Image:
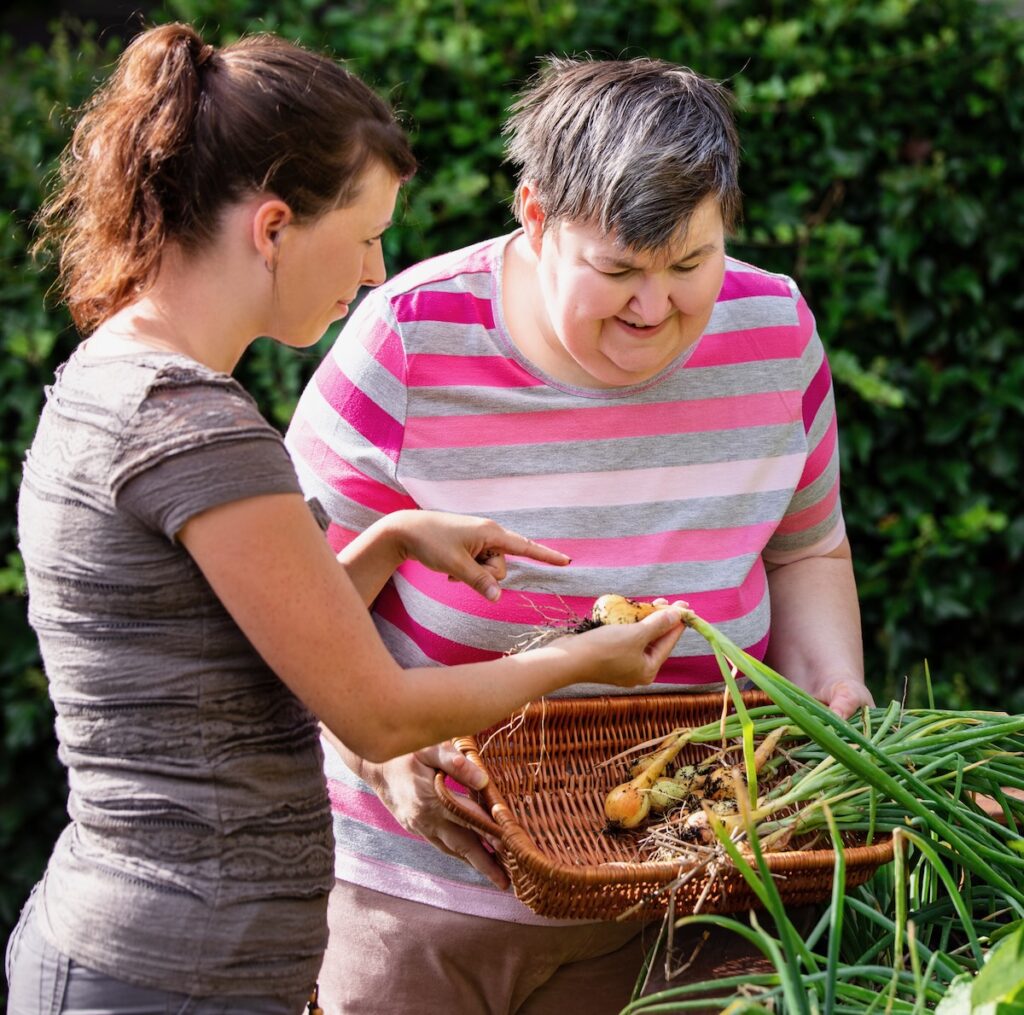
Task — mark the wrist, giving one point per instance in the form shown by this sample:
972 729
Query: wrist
393 535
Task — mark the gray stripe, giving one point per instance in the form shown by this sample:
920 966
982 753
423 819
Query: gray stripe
614 454
752 312
417 854
451 339
808 537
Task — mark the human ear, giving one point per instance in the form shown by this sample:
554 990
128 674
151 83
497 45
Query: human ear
268 223
531 216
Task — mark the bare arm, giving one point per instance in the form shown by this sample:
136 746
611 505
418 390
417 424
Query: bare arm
816 634
272 569
470 550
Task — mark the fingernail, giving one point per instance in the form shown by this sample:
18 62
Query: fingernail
493 593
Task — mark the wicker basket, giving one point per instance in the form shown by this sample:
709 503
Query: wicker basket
546 797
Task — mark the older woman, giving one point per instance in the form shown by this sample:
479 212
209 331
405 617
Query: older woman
608 379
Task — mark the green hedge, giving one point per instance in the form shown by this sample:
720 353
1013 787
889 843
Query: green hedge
882 168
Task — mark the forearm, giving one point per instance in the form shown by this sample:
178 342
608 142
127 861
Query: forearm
374 555
816 633
429 705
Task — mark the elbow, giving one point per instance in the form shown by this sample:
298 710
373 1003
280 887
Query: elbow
375 720
377 751
374 738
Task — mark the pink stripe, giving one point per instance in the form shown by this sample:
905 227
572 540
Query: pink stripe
533 608
448 308
752 345
619 421
390 607
820 458
338 538
388 351
340 475
626 486
806 328
669 547
443 893
811 516
743 284
682 672
433 370
365 808
358 409
817 391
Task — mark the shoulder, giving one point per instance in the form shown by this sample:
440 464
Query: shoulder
752 299
745 280
180 392
179 405
478 258
446 287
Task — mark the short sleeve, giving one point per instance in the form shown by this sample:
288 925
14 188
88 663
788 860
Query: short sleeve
813 523
196 441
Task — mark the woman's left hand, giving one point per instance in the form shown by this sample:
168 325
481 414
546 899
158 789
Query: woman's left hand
467 549
844 696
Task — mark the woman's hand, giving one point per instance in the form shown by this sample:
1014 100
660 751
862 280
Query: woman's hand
406 787
844 696
627 655
467 549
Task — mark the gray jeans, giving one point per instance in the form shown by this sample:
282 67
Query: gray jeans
43 981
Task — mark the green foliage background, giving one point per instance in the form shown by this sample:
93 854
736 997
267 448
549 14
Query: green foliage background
882 169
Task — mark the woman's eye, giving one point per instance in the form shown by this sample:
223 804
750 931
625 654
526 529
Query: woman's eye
684 269
616 274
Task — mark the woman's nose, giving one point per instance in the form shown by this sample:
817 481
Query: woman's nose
374 271
651 302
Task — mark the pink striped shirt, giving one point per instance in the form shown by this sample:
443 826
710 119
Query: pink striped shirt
680 487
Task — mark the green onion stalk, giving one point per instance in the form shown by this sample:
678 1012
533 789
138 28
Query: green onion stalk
913 933
912 769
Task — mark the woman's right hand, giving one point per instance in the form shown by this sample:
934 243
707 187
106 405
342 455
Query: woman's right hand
405 786
626 655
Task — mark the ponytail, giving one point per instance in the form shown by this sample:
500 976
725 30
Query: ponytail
179 131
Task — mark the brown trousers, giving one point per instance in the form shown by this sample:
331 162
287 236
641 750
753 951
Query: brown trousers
388 956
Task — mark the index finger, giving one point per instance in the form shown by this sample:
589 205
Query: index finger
519 546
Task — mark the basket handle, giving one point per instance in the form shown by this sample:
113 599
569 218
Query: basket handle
453 802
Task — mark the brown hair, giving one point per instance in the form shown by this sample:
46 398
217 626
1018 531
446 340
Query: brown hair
180 131
631 145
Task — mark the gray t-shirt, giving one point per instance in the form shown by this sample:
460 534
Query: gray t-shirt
199 853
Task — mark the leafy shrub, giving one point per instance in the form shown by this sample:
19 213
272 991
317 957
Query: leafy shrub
882 169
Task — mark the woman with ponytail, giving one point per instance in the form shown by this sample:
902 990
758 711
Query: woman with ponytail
192 619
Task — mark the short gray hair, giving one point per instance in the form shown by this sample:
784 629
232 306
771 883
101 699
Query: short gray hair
631 145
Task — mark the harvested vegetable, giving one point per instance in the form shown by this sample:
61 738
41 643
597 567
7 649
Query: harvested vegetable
716 780
615 609
627 805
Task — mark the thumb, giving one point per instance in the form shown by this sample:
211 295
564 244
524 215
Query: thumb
661 622
846 698
479 579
